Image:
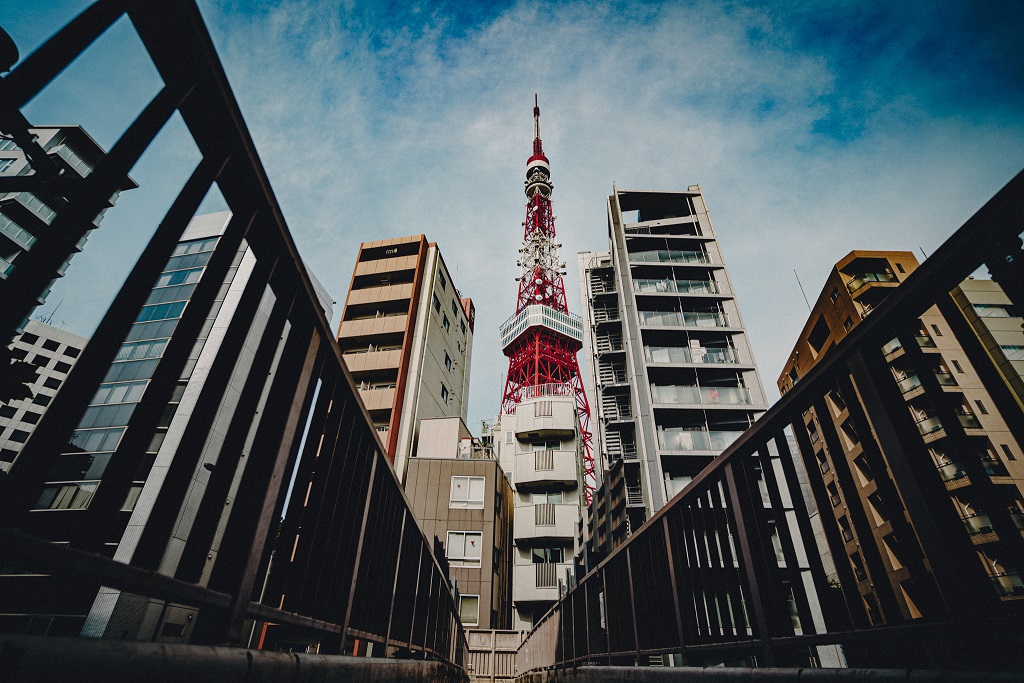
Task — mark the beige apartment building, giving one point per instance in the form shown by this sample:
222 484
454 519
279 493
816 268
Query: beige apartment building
459 494
407 335
918 477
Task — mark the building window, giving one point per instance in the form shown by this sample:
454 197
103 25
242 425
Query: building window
50 345
437 303
8 411
553 497
848 324
899 267
455 308
51 383
835 295
30 417
444 394
1007 452
76 496
62 367
935 328
447 361
72 352
956 365
1013 352
981 407
440 278
446 324
42 400
462 323
548 555
469 610
8 145
5 164
467 493
18 436
463 548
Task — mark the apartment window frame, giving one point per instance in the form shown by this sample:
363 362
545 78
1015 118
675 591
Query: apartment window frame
457 548
445 394
441 280
464 601
835 294
445 323
461 493
436 302
447 361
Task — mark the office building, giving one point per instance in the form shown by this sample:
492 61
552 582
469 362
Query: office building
25 216
459 495
151 471
53 351
407 337
917 475
671 372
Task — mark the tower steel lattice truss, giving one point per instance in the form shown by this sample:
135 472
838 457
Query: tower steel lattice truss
542 338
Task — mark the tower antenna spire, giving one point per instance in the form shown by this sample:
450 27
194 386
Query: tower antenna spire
542 338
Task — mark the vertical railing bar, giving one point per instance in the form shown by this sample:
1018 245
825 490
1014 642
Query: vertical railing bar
359 551
670 553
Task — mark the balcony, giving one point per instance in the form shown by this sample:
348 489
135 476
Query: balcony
634 496
993 466
550 417
683 319
928 425
924 340
908 384
968 420
545 521
977 524
669 256
545 468
893 347
697 355
677 439
951 472
945 379
368 327
859 281
701 395
1009 585
670 286
373 360
538 582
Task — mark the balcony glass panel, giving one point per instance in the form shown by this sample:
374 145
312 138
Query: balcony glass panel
866 278
928 425
645 285
909 383
1008 584
945 379
968 421
952 471
977 524
994 466
684 319
678 439
893 346
704 395
669 256
680 354
924 340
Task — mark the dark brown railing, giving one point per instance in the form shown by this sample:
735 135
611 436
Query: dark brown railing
361 571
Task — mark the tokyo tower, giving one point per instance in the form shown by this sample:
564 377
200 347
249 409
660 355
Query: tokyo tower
542 338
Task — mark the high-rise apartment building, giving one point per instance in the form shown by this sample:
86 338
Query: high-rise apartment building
152 470
671 372
53 351
917 474
25 216
407 338
999 326
460 495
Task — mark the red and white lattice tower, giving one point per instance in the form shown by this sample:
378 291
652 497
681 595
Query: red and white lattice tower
542 338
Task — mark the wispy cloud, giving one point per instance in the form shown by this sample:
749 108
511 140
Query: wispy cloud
813 128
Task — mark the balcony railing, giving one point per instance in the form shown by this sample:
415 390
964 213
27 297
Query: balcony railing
924 340
672 439
634 495
682 354
909 383
951 471
668 285
968 421
859 281
669 256
683 319
892 346
1008 584
945 379
977 524
928 425
994 467
701 395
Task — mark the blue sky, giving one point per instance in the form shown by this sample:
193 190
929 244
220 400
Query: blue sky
813 128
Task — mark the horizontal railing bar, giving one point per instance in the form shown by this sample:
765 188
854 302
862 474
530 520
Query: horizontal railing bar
270 614
18 547
694 674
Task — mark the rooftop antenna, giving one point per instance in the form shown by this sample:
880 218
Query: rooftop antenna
922 251
49 318
801 285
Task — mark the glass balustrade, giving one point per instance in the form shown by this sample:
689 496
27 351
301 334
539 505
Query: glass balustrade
1008 584
647 286
702 395
977 524
945 379
909 383
924 340
867 278
951 471
680 354
684 319
678 439
994 466
968 421
927 425
668 256
1018 519
893 346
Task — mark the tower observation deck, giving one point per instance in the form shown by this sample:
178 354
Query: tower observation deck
542 337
